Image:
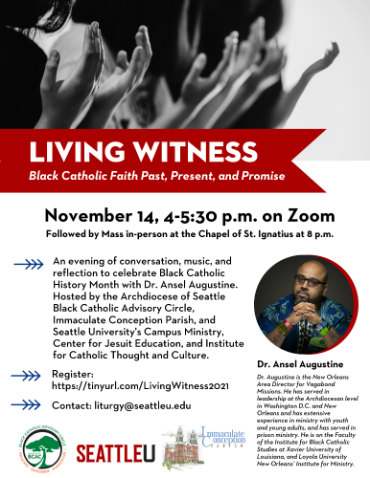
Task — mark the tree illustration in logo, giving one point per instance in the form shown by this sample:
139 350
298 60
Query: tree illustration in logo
46 444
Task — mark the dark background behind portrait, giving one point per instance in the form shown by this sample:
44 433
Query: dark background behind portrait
278 283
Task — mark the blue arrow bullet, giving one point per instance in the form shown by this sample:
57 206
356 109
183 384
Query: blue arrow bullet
30 376
32 263
25 404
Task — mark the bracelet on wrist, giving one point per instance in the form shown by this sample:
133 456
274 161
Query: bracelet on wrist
288 324
321 325
325 330
283 329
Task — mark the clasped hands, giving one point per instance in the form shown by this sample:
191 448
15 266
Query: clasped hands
304 310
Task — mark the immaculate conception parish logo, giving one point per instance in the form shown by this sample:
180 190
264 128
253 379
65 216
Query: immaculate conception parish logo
181 453
42 448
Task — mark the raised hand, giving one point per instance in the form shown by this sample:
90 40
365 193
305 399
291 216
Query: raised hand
142 39
247 88
249 50
229 100
272 64
196 91
195 88
324 63
285 105
62 101
127 76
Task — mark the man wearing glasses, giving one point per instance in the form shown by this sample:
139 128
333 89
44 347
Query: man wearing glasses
306 321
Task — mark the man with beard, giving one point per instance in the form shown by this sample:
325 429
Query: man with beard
306 321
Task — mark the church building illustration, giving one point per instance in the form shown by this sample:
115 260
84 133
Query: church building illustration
183 451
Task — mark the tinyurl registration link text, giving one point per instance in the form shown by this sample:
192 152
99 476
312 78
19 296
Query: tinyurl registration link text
141 386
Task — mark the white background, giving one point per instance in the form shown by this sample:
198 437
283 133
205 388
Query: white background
338 100
26 311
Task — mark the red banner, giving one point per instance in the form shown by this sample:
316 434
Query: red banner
158 161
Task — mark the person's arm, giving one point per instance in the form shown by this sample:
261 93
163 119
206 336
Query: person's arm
263 76
285 105
126 77
332 337
62 101
328 334
196 89
173 117
278 335
206 114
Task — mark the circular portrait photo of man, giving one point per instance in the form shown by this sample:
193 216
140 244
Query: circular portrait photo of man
306 304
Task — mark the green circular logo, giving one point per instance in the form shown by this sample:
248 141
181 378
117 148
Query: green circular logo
42 448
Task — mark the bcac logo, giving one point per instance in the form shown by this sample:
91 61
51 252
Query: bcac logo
42 448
